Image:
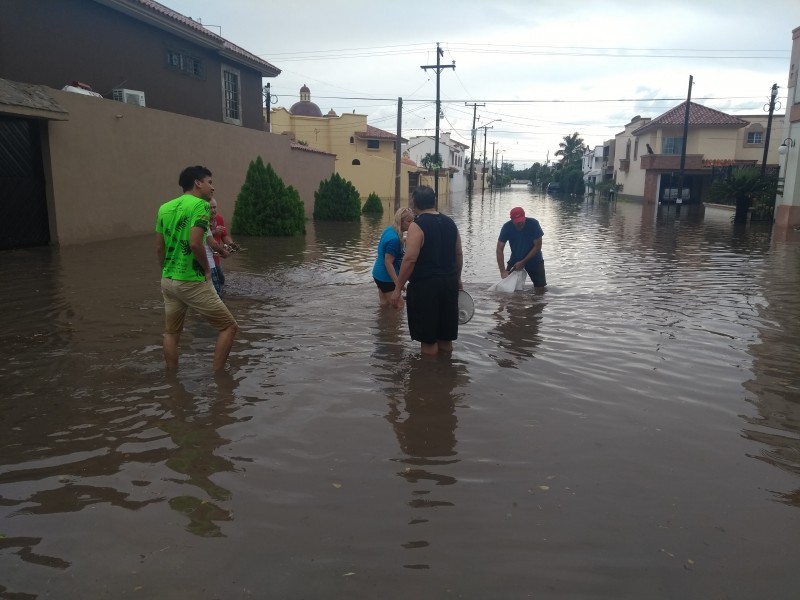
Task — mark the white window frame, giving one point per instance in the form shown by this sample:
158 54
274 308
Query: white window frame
226 113
676 143
754 134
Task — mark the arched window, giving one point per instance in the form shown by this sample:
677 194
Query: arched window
356 161
352 140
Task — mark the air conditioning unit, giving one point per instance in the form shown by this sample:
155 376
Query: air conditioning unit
128 96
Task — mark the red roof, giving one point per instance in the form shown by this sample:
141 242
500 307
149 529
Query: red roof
699 116
163 13
374 133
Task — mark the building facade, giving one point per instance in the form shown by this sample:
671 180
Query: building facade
648 151
365 155
454 158
787 209
147 52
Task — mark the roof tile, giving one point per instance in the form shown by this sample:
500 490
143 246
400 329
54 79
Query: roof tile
198 28
699 116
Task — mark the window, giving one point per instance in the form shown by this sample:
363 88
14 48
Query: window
636 149
352 140
628 150
231 96
174 59
373 144
183 62
754 137
671 145
356 162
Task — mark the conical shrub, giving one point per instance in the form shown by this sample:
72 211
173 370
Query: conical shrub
337 200
373 205
265 206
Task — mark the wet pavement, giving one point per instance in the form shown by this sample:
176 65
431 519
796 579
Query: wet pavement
631 432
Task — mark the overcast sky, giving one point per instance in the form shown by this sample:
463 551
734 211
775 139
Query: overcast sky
544 68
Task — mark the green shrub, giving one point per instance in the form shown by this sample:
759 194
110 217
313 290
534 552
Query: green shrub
373 205
337 200
265 206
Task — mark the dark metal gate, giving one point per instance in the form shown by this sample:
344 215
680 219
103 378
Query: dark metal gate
23 204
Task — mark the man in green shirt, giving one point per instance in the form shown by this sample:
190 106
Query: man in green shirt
181 228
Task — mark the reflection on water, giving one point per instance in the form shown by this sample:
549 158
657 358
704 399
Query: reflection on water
425 427
632 431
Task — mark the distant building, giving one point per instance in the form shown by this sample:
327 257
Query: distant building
453 157
715 140
365 155
592 167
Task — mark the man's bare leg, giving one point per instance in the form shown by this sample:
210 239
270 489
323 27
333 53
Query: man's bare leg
445 346
223 346
429 349
171 341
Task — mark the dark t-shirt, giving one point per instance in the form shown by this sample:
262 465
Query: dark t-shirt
437 257
522 241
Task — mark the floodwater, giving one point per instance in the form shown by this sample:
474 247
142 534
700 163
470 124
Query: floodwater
632 432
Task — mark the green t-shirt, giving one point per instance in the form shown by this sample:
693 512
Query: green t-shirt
175 221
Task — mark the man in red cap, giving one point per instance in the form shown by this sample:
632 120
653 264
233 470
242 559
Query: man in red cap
525 236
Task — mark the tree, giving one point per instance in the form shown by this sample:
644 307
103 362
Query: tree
265 206
745 187
337 200
571 150
432 162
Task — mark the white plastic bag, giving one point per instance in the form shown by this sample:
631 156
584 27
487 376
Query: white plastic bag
514 282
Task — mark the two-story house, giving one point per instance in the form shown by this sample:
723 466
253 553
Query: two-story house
649 151
150 54
82 165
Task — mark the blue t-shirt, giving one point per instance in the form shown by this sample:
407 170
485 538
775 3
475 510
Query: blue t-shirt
389 244
522 241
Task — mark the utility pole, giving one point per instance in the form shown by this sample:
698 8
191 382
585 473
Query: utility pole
472 150
771 108
438 66
269 100
493 164
398 154
483 171
679 198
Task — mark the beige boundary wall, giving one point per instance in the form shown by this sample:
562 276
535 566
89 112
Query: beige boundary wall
110 166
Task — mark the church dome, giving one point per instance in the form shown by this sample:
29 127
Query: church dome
305 108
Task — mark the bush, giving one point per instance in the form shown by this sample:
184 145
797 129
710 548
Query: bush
373 205
265 206
337 200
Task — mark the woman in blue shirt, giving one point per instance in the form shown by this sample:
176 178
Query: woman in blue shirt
391 248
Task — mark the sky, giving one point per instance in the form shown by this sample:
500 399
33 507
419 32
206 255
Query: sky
538 69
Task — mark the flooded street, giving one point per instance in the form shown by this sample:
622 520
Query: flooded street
631 432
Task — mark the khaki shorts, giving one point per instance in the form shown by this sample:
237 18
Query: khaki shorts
179 296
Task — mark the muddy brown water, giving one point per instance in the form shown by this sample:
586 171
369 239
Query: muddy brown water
632 432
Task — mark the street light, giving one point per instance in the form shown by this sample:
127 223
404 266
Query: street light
784 147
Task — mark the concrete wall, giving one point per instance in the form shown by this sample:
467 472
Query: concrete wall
110 166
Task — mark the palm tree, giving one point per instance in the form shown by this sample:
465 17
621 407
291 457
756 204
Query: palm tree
432 162
744 186
571 149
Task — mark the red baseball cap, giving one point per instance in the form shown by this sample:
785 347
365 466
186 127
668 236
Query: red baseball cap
517 215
